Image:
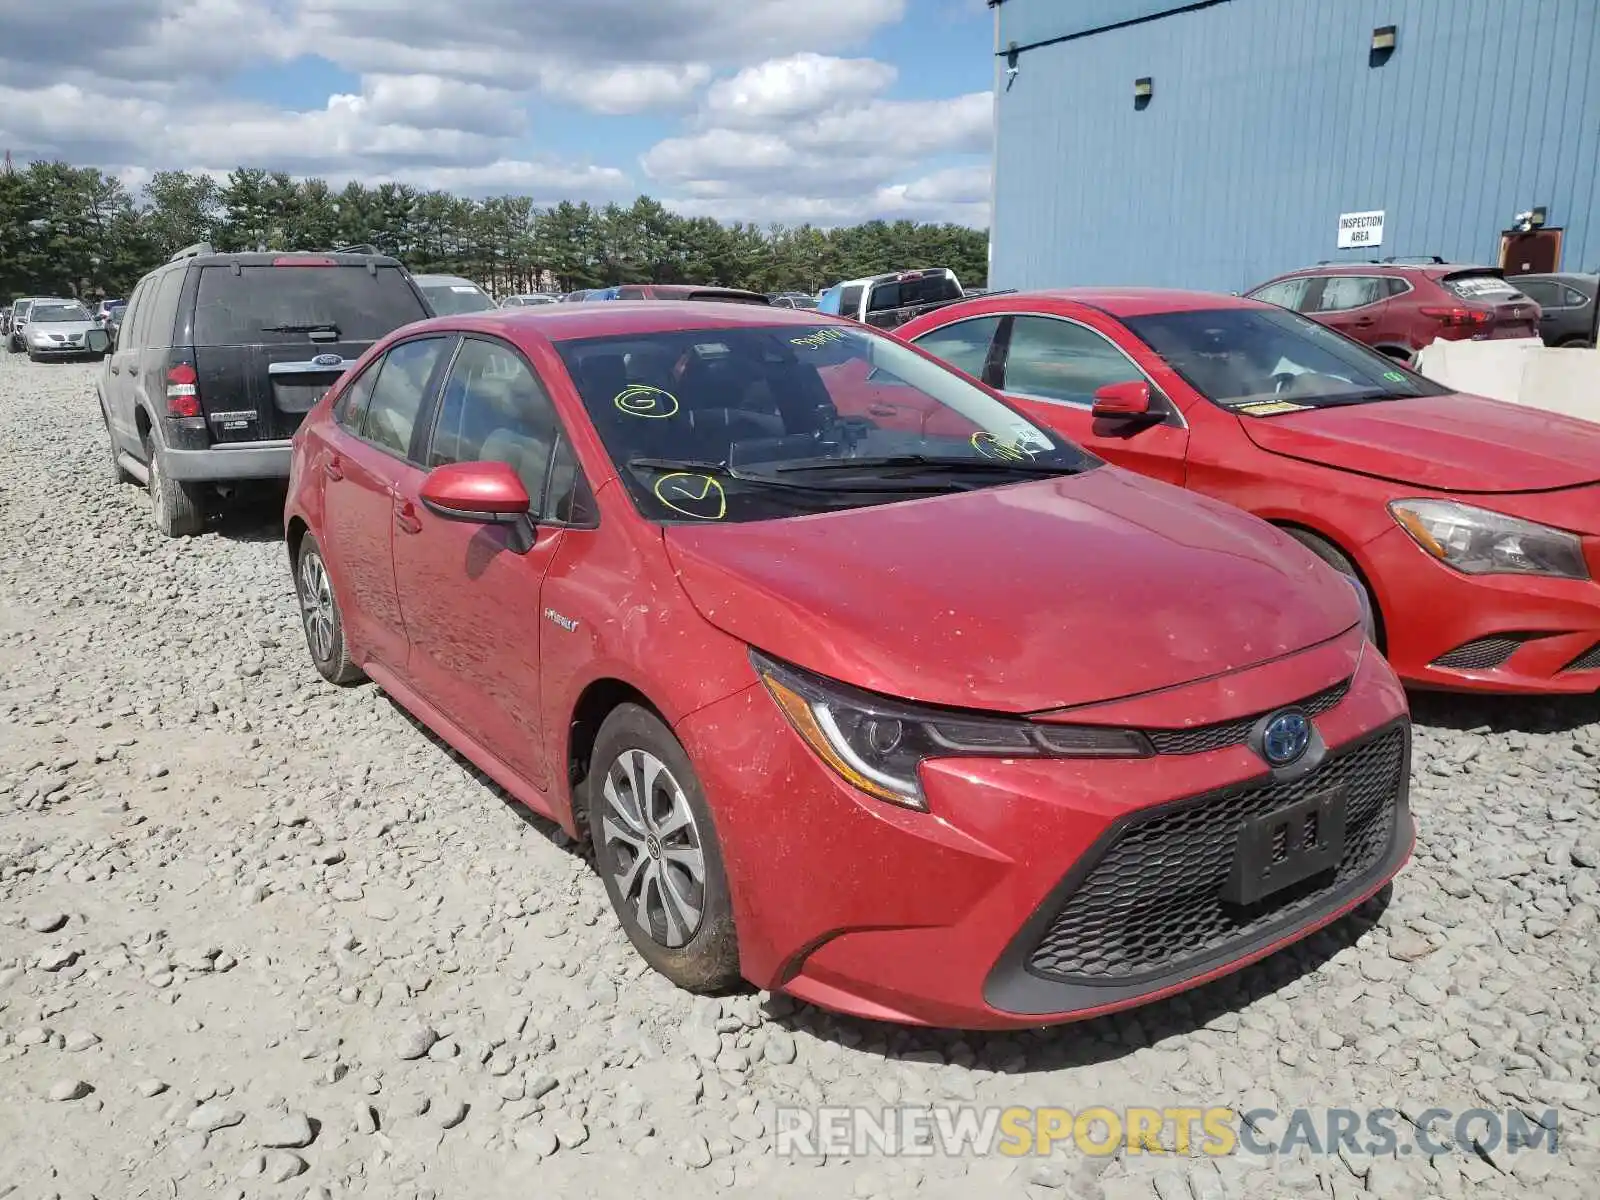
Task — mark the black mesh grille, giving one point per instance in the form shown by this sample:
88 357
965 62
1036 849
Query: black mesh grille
1204 738
1482 654
1151 901
1589 660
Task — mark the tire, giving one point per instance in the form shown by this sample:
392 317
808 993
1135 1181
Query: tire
32 357
1578 344
1340 562
632 748
321 618
177 508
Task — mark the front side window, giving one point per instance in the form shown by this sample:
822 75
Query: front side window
964 344
494 410
1060 360
1266 361
757 422
850 301
1286 293
1341 292
397 395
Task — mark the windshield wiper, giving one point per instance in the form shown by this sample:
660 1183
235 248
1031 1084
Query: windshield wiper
322 327
696 466
933 461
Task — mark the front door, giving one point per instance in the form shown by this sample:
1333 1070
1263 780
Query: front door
365 465
468 595
1051 367
1537 252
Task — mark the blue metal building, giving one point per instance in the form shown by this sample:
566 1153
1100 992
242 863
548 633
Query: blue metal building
1218 143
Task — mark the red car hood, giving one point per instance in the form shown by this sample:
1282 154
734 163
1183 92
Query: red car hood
1023 598
1454 443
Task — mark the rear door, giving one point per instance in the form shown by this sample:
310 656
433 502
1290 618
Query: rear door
1051 366
270 339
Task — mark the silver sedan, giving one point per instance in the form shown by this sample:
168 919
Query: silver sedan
63 329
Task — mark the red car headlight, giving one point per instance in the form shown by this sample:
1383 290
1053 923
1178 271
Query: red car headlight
877 744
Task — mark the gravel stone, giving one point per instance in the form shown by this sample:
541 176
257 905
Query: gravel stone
68 1089
228 871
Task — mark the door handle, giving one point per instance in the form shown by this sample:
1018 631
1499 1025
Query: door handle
1366 321
882 410
116 370
405 516
332 467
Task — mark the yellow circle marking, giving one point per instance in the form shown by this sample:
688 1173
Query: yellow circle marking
642 400
993 446
682 487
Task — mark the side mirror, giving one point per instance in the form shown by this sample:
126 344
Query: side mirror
98 341
1123 401
487 493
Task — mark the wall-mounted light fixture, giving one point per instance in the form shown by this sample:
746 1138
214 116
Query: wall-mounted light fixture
1143 90
1012 54
1384 40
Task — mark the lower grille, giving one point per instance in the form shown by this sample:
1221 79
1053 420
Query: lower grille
1589 660
1151 902
1483 654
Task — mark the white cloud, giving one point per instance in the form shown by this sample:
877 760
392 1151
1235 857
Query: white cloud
617 91
783 89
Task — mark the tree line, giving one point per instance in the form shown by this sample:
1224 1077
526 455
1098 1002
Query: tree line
77 231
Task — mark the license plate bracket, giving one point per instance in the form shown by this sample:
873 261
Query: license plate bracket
1287 846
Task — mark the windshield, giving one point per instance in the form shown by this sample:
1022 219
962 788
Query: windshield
1262 362
453 299
756 422
44 314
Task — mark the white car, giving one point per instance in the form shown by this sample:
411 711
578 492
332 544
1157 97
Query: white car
451 295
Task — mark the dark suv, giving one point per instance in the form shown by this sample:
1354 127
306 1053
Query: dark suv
1398 308
220 356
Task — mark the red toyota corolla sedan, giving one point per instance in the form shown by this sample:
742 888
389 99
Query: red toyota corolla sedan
1474 525
942 722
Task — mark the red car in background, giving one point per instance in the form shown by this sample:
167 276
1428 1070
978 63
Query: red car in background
950 724
1474 525
1398 308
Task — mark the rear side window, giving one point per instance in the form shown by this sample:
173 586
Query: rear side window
1491 288
397 396
266 305
164 310
351 409
632 293
927 289
850 301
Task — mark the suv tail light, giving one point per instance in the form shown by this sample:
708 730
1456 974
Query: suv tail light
1458 317
183 391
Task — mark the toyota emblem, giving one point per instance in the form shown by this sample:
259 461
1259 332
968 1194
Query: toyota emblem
1285 737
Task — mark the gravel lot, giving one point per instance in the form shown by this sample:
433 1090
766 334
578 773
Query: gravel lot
263 937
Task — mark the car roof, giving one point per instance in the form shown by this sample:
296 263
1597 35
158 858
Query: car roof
1380 268
268 258
1116 301
456 280
623 318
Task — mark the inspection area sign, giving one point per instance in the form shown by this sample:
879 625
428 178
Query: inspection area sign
1360 229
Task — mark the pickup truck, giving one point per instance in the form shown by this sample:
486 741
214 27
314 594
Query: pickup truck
889 301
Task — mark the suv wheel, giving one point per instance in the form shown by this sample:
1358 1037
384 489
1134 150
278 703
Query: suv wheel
657 852
319 613
176 506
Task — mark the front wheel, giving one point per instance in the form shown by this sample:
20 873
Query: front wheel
319 613
657 852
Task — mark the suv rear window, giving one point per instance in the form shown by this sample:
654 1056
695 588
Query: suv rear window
929 289
256 306
1480 287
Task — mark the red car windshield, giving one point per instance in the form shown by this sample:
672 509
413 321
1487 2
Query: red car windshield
1263 362
756 422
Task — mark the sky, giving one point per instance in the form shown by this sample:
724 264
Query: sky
829 111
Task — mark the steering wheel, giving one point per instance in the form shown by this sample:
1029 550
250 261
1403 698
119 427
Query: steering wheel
1283 381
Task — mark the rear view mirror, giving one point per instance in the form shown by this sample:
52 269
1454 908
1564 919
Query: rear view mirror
1123 401
98 341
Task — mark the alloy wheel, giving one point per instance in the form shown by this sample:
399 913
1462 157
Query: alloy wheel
316 605
652 848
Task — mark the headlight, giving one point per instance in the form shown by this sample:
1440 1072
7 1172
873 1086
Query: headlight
877 744
1476 541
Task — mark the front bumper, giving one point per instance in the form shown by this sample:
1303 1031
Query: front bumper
245 460
1492 633
954 917
60 350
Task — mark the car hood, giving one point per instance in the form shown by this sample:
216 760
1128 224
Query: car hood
1022 598
1454 443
